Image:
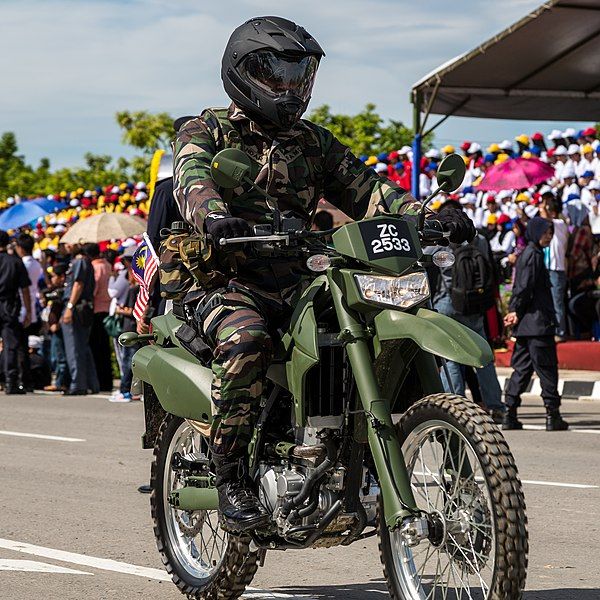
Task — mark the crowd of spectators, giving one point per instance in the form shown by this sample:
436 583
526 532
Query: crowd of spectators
82 296
570 198
57 341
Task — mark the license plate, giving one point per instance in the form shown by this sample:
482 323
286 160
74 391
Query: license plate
384 239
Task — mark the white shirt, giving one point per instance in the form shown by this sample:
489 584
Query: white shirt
35 271
594 217
507 244
558 246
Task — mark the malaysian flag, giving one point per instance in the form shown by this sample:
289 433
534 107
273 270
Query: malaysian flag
144 265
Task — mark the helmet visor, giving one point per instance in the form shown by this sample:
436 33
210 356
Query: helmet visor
278 75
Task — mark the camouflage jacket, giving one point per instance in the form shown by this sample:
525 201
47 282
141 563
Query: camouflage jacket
298 167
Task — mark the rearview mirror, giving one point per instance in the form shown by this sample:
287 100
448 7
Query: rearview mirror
451 172
230 168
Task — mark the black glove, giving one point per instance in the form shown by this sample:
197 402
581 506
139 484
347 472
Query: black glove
225 226
459 225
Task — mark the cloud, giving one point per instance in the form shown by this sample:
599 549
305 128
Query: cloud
69 65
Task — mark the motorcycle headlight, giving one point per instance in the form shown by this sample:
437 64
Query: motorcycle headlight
401 292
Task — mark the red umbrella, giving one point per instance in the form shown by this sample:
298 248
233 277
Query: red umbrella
516 174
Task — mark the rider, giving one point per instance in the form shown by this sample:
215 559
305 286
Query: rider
268 70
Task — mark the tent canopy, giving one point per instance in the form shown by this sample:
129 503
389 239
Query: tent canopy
544 67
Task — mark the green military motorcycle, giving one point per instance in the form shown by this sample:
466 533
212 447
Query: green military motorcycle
355 437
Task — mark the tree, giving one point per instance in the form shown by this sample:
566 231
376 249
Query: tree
145 130
365 132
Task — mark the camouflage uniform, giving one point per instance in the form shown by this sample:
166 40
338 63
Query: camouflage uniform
298 167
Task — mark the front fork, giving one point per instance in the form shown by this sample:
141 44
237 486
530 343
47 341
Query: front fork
398 499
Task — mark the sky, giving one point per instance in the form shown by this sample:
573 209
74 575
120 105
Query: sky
68 65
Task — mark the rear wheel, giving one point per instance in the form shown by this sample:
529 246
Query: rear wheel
464 477
204 561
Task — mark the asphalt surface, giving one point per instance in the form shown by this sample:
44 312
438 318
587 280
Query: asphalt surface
81 497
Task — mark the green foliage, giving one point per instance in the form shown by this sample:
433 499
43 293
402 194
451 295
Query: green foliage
145 130
365 132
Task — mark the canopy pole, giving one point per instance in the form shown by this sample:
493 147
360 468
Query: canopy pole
416 145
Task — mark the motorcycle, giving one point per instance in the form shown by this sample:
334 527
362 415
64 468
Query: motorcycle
355 437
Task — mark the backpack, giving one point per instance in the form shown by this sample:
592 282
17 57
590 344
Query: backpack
472 281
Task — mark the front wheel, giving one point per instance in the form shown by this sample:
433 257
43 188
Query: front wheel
464 478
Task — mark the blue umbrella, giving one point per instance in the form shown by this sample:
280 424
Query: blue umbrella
49 205
25 212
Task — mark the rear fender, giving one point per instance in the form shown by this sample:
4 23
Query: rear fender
435 333
180 382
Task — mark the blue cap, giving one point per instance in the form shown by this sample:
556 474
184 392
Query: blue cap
572 197
469 190
489 158
431 166
399 165
588 174
580 134
382 156
363 158
535 150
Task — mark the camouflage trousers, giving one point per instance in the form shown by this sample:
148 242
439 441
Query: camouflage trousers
236 326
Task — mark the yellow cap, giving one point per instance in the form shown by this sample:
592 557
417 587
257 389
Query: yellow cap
523 197
122 186
492 219
587 148
73 195
494 148
372 160
522 139
501 158
63 194
449 149
80 190
526 154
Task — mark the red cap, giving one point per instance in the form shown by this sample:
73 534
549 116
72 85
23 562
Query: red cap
550 152
590 131
503 219
537 136
393 156
465 145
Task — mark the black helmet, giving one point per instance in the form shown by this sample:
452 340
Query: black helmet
269 68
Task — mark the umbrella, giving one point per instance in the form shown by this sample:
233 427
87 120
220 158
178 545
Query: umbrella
49 205
516 174
21 214
102 227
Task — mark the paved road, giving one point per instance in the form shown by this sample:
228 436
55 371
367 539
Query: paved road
80 497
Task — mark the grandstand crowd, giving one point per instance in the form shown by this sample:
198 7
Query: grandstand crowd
569 197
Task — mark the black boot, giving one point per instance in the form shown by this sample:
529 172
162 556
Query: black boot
554 421
14 388
510 420
239 507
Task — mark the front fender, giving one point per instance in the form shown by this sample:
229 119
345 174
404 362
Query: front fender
435 333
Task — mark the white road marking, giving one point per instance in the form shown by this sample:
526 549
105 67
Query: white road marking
104 564
39 436
581 486
572 429
31 566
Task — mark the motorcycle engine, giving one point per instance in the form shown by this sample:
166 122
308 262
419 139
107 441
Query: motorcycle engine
280 481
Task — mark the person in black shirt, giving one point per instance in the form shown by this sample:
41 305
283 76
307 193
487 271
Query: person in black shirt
531 314
77 319
13 279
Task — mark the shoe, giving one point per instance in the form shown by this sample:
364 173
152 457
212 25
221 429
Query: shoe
75 393
145 489
239 508
510 421
497 416
14 390
554 421
119 397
